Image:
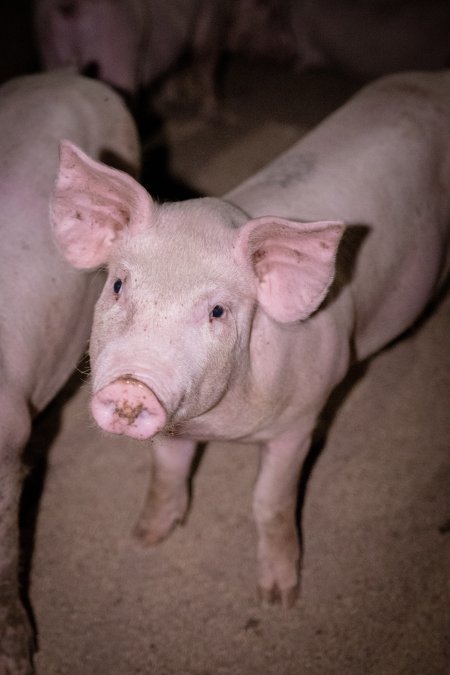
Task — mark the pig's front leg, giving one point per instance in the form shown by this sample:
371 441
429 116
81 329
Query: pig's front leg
15 631
167 499
274 509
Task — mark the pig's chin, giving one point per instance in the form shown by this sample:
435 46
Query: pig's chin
192 411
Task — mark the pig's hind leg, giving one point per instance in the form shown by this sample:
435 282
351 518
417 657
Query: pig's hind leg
15 631
168 496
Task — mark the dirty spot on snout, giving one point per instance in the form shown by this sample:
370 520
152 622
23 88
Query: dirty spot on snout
129 412
259 255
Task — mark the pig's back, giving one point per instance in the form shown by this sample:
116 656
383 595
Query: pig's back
381 163
36 112
338 169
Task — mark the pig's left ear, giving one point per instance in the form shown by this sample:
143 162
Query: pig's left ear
92 206
293 263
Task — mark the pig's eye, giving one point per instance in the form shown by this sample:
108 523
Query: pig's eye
216 312
117 287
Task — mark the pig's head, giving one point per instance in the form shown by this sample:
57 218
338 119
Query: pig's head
172 327
100 38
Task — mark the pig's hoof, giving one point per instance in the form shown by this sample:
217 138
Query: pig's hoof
286 597
150 534
153 528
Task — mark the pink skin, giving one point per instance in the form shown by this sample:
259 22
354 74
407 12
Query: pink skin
48 313
127 406
218 321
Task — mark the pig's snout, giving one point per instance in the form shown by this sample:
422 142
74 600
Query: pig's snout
127 406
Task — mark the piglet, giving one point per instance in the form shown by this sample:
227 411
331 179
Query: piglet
47 306
235 318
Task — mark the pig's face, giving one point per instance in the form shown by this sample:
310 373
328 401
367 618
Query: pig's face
172 328
100 38
174 315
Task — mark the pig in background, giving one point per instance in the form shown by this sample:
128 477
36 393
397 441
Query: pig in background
369 38
161 55
136 44
363 38
46 309
235 319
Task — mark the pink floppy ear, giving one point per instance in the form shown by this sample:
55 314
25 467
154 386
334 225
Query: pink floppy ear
92 206
293 263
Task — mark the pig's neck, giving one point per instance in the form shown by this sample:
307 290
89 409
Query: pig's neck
286 368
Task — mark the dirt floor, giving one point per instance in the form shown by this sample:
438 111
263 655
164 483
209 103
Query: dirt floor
375 592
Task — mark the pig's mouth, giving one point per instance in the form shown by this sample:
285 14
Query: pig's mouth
128 406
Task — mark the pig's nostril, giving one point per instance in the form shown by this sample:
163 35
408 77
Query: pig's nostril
127 406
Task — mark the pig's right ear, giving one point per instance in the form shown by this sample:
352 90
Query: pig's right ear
92 206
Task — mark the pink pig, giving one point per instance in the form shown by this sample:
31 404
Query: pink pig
235 319
130 44
47 306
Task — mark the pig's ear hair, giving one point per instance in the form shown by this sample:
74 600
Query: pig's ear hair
293 263
93 205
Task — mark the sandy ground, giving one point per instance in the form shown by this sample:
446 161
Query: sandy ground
375 593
